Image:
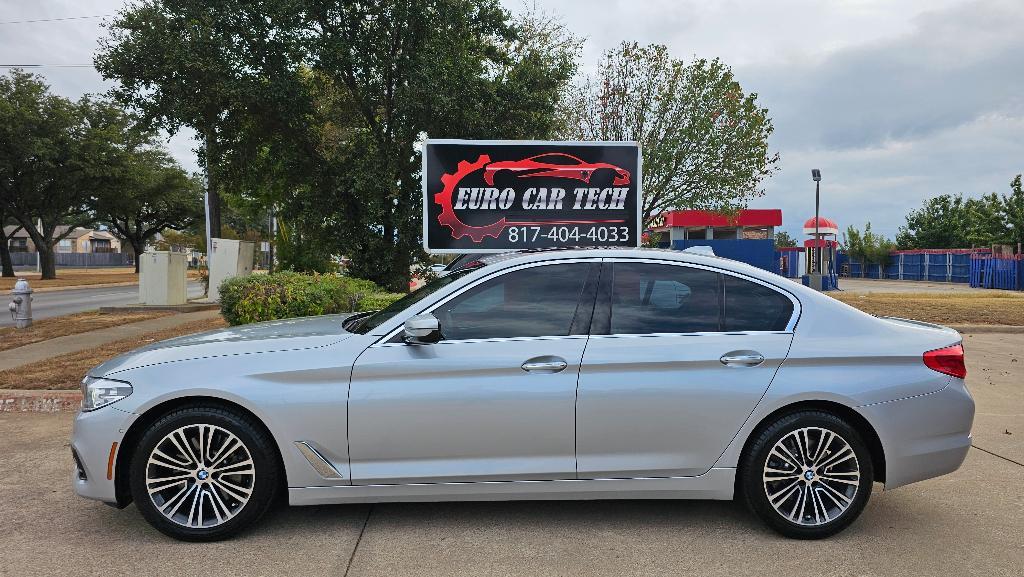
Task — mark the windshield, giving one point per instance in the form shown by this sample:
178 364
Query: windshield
364 324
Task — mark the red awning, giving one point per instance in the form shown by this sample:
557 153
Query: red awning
746 217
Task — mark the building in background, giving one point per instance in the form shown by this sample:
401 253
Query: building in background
78 241
747 236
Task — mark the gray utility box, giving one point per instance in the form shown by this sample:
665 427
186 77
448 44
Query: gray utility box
227 259
162 278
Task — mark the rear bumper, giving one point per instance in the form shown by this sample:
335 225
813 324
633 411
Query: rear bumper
924 436
95 432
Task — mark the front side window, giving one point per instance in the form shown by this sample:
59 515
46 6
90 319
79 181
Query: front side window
753 307
658 298
362 324
530 302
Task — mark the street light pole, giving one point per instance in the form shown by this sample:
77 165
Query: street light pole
816 176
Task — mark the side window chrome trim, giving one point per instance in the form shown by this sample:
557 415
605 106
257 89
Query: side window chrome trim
383 341
493 340
790 326
694 334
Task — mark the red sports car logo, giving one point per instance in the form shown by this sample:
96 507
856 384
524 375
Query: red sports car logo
556 164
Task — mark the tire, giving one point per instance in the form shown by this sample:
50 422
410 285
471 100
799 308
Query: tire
237 483
775 482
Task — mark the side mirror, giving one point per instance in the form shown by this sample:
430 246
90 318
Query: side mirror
422 330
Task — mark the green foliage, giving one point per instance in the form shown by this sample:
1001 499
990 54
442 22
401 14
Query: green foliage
953 221
45 166
868 247
378 301
317 108
265 297
782 239
704 141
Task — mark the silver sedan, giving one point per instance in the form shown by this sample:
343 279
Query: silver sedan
577 374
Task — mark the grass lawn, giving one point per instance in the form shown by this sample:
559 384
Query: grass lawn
46 329
66 371
952 308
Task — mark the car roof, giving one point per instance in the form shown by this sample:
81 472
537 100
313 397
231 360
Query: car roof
518 257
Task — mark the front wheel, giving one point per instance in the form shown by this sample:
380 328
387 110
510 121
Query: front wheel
204 473
808 475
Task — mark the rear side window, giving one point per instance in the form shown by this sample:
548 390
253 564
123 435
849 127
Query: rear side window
656 298
753 307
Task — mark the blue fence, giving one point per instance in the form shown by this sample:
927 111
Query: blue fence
923 266
788 263
988 271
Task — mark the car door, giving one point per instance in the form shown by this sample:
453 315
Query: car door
678 357
494 400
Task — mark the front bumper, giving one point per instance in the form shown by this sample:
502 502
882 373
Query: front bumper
924 436
95 432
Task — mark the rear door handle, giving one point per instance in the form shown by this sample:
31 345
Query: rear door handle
546 364
742 359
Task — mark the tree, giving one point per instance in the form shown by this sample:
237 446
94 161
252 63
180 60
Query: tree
153 193
782 239
953 221
704 141
44 178
1013 211
867 247
317 107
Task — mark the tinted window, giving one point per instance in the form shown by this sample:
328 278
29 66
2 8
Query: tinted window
364 324
753 307
658 298
532 302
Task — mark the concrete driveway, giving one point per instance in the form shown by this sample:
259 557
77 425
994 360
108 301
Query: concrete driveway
967 523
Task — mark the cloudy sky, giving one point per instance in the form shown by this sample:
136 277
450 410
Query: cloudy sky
895 101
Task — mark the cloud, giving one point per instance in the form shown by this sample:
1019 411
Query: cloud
895 101
954 67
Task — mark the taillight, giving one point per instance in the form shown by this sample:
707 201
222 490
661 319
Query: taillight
948 361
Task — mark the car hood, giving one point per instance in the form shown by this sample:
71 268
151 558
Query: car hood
283 335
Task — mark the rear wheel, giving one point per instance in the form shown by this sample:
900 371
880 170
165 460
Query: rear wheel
204 473
808 475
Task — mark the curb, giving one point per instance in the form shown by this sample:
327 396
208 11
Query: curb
976 329
140 308
39 401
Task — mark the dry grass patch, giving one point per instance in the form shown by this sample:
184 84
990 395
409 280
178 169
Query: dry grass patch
74 277
66 371
952 308
46 329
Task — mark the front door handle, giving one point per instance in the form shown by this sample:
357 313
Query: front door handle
545 364
742 359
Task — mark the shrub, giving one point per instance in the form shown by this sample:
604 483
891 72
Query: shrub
378 301
265 297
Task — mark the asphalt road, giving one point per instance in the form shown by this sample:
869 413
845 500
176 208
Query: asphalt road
64 302
966 523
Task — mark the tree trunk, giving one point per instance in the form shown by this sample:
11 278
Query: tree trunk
5 258
47 262
137 246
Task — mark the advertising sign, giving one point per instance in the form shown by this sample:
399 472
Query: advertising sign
496 196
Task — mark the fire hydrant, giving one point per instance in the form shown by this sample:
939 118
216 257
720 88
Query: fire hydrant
21 304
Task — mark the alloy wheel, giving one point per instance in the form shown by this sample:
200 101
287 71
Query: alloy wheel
811 476
200 476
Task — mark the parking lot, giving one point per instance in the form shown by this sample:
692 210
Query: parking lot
967 523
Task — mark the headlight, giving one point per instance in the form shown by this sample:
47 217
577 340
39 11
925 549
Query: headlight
99 392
